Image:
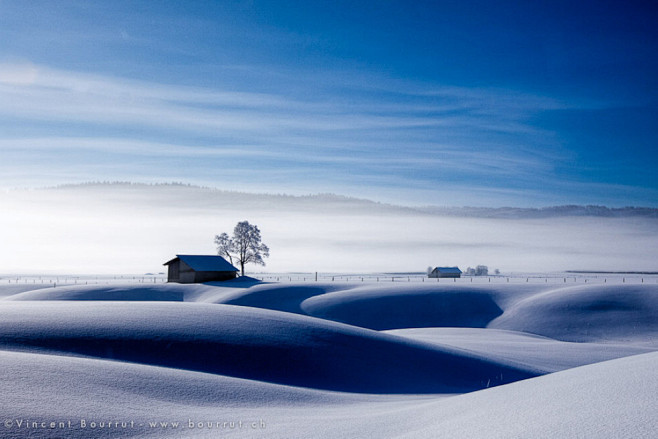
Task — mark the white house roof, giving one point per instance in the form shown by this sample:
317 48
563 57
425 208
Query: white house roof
205 262
453 270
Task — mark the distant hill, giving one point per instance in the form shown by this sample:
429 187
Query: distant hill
546 212
179 195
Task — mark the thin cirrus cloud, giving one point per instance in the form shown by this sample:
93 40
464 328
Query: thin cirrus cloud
373 132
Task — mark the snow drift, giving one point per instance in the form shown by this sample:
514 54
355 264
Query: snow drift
613 399
394 307
588 313
249 343
298 360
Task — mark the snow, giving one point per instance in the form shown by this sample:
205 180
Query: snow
299 360
609 313
126 292
392 307
249 343
534 351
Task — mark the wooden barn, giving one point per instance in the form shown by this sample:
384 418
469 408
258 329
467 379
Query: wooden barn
191 269
446 272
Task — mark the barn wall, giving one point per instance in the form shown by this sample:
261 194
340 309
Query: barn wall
444 275
173 274
182 273
209 276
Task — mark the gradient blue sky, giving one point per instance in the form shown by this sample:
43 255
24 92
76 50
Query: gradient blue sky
523 103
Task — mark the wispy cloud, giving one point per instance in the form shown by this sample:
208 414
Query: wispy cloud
358 133
39 92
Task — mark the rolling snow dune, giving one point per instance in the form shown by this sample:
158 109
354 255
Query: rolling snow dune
210 356
249 343
613 399
13 290
394 307
382 306
610 400
607 313
39 387
170 292
534 351
278 297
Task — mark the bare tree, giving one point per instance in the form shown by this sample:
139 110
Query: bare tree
244 246
224 246
482 270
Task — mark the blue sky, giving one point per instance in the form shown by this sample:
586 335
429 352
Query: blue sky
450 103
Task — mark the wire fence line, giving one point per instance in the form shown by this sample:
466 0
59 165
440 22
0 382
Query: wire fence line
54 281
479 280
516 278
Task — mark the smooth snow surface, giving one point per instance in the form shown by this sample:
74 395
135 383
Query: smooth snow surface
267 360
392 307
531 350
249 343
617 313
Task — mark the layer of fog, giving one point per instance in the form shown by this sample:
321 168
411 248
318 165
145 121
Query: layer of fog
110 228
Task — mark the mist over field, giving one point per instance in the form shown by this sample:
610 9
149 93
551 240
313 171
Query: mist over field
134 228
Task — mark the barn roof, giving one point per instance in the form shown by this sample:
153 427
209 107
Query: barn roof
454 270
205 262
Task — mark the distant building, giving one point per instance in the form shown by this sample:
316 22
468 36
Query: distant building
445 272
190 269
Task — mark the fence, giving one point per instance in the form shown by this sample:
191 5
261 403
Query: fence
517 278
53 281
479 280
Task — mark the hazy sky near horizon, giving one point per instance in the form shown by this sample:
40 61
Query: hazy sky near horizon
426 102
136 228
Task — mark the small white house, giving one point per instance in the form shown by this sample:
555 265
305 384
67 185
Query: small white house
446 272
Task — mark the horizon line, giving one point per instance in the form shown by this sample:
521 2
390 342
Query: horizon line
346 197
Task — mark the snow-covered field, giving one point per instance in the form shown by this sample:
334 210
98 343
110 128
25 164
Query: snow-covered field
247 358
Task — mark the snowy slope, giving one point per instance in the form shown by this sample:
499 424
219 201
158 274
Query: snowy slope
614 399
249 343
128 292
277 357
534 351
608 313
378 307
279 297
